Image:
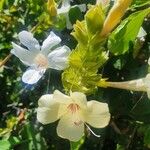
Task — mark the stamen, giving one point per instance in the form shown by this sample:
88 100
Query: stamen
73 108
41 61
92 131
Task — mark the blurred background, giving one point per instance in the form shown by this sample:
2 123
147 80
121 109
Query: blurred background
129 127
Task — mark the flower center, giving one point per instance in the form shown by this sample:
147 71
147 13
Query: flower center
73 108
41 61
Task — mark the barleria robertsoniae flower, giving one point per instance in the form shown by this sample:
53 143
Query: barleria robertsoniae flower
142 84
73 112
65 8
39 58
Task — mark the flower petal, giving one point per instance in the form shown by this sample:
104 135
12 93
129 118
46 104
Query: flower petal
46 101
27 39
65 7
146 80
148 93
51 41
70 127
24 55
97 114
82 7
59 57
141 33
61 98
47 111
68 23
32 75
79 98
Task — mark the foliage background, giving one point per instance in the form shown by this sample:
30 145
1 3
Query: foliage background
129 127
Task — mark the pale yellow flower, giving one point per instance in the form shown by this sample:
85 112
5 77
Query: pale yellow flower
73 113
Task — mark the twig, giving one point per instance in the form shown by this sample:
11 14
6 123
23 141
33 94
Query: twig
5 60
137 103
115 127
131 138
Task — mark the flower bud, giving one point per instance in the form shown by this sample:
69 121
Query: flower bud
115 15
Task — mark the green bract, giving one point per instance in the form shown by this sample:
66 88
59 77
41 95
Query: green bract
88 56
96 13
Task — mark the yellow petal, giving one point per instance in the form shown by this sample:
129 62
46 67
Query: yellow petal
70 127
97 114
48 109
79 98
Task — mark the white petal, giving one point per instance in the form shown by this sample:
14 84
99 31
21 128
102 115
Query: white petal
70 127
51 41
65 7
141 33
32 75
104 3
47 111
46 101
58 59
68 23
79 98
82 7
24 55
46 115
27 39
146 81
148 93
61 98
97 114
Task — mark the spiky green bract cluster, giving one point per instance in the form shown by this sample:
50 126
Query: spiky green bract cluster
89 54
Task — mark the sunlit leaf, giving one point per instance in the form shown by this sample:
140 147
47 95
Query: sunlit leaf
126 32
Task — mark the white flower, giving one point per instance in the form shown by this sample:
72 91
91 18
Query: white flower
142 84
104 3
39 58
146 82
65 8
73 111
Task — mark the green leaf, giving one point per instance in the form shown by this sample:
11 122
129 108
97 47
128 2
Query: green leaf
139 3
126 32
147 137
144 129
10 143
120 147
5 145
75 14
33 137
76 145
1 4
